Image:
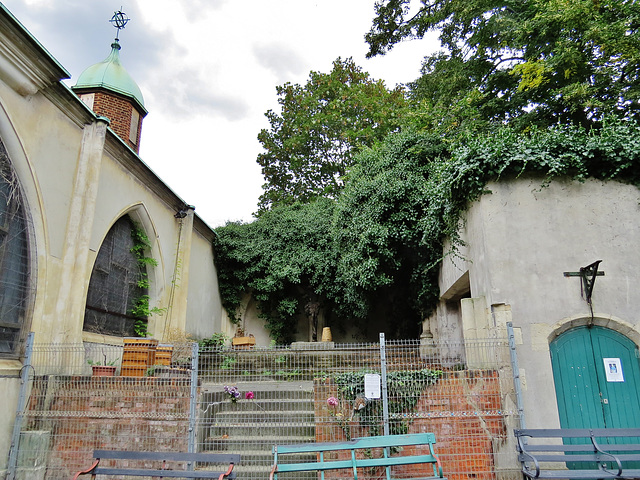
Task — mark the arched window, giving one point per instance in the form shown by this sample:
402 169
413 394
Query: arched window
14 259
114 287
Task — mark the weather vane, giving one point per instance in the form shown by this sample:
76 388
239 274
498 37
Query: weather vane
119 20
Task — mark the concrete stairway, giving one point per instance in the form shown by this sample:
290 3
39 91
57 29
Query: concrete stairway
280 413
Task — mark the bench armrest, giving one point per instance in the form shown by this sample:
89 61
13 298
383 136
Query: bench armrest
88 470
602 452
227 473
523 451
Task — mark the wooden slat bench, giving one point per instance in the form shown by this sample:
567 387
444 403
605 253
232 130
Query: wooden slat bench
168 459
322 464
595 451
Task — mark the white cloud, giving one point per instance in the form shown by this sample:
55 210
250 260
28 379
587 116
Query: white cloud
281 60
208 71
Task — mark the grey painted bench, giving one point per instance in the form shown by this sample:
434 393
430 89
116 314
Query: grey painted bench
584 453
282 455
168 460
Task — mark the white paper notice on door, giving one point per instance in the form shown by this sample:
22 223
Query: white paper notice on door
613 369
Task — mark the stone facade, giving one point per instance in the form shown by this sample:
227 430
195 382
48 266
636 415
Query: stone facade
519 241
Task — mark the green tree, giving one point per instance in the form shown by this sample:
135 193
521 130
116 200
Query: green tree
524 62
284 259
375 250
311 143
385 256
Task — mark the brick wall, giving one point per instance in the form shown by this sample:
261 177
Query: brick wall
87 413
463 409
118 110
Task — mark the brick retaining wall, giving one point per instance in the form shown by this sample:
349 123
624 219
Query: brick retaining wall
87 413
463 409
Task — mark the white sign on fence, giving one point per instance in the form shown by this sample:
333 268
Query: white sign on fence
372 385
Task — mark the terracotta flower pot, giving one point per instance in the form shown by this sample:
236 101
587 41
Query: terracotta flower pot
103 370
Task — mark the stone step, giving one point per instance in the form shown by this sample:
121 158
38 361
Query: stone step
249 407
265 416
251 443
281 412
261 472
240 430
263 386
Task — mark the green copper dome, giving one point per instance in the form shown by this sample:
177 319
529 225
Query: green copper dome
111 75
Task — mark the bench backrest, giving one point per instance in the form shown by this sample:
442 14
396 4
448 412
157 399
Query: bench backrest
592 445
576 432
187 458
382 441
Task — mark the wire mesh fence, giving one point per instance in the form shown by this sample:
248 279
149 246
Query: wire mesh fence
247 400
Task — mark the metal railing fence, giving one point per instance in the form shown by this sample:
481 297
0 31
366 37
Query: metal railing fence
247 400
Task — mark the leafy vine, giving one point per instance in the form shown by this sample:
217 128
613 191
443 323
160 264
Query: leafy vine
380 242
141 308
403 389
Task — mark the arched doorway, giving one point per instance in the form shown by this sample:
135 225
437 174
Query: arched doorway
596 372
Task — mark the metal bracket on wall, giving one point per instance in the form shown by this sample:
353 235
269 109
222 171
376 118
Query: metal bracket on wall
588 276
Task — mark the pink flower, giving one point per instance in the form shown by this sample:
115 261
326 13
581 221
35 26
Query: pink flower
332 401
248 395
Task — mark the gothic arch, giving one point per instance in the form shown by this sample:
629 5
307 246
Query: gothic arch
113 289
16 260
35 226
598 319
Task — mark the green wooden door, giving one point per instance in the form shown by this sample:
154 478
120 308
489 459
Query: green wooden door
591 394
596 372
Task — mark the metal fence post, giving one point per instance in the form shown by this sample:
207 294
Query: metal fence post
193 402
22 396
516 373
385 399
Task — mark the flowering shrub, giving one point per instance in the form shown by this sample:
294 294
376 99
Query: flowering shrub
232 392
339 417
248 395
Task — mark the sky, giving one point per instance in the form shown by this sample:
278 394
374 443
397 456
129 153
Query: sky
208 71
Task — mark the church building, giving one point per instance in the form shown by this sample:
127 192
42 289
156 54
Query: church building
94 247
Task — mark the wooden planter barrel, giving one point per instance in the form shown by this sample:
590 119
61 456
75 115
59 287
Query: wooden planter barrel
163 355
243 343
139 354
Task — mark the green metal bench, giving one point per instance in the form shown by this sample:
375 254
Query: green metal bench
173 464
584 453
360 445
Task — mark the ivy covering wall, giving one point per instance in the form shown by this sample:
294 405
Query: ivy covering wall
376 248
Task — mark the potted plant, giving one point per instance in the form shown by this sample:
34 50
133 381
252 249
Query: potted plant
103 369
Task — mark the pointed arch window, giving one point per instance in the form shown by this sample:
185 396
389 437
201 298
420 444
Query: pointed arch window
15 284
114 288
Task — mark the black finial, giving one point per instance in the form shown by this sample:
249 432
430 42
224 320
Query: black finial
119 20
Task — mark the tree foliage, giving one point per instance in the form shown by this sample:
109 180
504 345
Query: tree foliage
377 247
384 256
311 143
285 259
536 62
361 190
